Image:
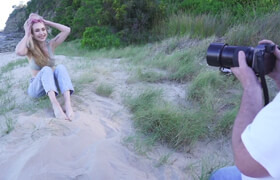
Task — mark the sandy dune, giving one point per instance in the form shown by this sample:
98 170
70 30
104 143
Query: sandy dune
92 146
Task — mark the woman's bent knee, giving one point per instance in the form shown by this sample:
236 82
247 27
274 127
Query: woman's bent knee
46 68
60 67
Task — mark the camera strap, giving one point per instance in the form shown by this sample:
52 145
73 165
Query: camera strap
263 81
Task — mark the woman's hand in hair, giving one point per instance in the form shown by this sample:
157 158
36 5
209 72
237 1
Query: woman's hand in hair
35 16
28 23
46 22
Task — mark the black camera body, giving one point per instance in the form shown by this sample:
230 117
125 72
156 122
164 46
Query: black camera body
261 58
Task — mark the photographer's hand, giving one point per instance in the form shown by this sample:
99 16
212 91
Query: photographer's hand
245 74
275 74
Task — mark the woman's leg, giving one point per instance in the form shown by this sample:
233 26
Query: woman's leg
66 88
68 106
43 84
58 112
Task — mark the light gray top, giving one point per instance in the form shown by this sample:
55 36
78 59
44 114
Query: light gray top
35 66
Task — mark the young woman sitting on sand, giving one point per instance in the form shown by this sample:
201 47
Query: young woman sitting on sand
47 78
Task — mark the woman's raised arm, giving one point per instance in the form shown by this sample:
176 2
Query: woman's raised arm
60 38
21 48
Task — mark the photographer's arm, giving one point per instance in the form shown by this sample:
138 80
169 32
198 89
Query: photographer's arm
64 32
251 104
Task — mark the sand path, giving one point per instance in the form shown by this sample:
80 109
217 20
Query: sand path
95 144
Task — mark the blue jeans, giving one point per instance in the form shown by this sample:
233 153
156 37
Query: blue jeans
48 80
226 173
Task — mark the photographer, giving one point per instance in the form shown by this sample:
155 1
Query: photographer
256 135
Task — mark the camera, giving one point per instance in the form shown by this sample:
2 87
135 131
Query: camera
260 58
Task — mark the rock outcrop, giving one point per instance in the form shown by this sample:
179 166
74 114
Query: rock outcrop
8 41
15 21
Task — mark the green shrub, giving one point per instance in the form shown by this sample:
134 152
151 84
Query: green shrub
98 37
89 14
130 19
65 13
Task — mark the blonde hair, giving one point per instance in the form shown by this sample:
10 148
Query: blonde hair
40 57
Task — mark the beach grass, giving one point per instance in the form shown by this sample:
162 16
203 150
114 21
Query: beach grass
9 125
249 34
84 77
139 143
163 160
104 89
209 94
152 76
166 123
196 26
12 65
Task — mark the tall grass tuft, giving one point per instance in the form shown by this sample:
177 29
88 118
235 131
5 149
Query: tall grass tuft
210 90
72 48
205 84
200 26
187 65
104 90
148 76
165 123
181 59
9 125
266 27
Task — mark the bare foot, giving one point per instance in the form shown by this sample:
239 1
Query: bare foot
58 112
69 111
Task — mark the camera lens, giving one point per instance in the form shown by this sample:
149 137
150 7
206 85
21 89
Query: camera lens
222 55
214 52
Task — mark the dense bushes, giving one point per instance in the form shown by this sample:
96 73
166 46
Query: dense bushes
65 13
132 20
88 14
43 7
99 37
